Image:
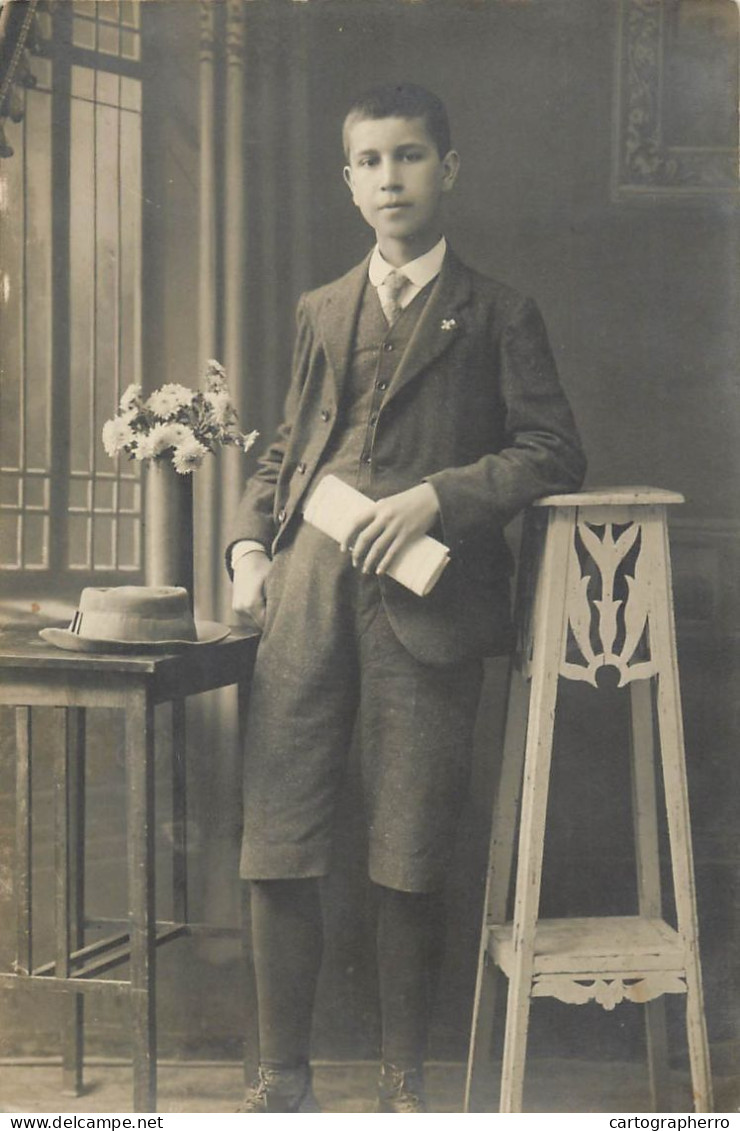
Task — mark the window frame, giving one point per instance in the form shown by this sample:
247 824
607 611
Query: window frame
57 579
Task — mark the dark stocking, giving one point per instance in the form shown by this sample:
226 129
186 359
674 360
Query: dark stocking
408 926
287 937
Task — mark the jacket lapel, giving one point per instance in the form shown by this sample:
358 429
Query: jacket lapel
438 325
339 317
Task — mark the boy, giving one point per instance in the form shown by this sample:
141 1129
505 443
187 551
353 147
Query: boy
432 390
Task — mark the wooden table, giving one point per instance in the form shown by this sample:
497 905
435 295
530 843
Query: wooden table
36 674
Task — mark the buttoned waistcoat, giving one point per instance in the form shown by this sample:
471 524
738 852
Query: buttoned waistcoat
474 407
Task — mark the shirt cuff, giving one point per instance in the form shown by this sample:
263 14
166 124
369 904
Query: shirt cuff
246 546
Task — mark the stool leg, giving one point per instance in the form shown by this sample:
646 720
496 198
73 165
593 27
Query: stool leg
549 631
140 830
73 1004
243 689
23 841
179 814
503 833
670 727
645 815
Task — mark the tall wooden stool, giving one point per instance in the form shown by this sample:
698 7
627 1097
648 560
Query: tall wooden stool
594 591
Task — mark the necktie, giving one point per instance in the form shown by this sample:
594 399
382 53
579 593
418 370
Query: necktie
390 292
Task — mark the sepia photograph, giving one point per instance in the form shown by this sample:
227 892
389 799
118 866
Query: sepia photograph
369 558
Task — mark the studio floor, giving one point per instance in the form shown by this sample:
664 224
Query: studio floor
556 1085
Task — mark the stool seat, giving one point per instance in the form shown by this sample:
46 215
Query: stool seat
593 592
613 496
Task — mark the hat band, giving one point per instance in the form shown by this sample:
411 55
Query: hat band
127 626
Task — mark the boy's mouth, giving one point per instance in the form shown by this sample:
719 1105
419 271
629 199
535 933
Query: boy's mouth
394 207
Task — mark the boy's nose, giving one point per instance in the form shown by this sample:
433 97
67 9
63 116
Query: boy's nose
390 177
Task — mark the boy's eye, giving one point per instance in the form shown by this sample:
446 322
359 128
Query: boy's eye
366 161
412 156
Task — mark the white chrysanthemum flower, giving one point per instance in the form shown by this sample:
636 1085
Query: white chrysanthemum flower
116 435
215 380
220 407
144 448
161 438
167 400
130 398
248 440
189 455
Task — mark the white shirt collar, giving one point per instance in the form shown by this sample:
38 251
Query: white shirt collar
420 271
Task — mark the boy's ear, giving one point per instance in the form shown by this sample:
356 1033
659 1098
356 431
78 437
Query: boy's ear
450 169
347 174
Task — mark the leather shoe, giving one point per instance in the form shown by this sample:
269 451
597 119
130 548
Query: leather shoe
280 1090
401 1090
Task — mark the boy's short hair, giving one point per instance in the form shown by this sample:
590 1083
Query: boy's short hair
401 100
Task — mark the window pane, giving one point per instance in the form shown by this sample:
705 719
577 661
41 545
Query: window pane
83 83
9 537
108 39
129 496
79 494
36 493
79 541
10 491
83 33
106 275
35 541
129 45
129 532
131 96
11 303
130 279
130 13
38 282
107 87
104 494
103 539
82 270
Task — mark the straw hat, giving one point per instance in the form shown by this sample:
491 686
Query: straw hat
132 617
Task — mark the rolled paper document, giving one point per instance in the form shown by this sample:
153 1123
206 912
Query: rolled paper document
335 508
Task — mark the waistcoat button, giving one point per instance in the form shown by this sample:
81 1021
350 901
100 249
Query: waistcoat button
281 515
302 468
325 414
388 347
382 385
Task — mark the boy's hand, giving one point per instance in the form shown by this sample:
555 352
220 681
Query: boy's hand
396 522
248 593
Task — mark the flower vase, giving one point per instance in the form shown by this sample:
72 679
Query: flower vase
168 526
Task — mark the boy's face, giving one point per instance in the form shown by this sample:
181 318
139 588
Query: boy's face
397 179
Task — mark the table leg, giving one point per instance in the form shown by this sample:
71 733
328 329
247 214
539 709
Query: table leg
141 894
73 1004
23 831
243 688
179 814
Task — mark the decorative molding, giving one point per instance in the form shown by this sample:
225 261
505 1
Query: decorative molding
606 989
644 163
207 31
234 33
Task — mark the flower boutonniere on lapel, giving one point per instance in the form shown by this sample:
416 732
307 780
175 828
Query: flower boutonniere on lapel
449 324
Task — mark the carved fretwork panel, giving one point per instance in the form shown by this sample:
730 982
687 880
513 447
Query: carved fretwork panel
614 561
606 989
608 599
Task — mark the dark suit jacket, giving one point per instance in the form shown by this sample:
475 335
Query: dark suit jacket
475 408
